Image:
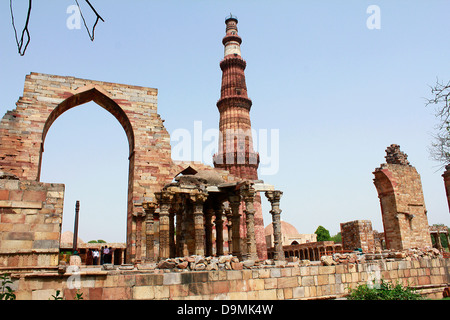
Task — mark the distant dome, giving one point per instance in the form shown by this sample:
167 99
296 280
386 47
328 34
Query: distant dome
67 238
286 229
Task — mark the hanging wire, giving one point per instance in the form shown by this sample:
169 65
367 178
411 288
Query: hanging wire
24 31
84 21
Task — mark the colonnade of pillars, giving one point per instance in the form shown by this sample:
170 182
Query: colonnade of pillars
194 211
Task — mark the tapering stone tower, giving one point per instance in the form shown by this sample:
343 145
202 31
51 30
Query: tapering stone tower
236 153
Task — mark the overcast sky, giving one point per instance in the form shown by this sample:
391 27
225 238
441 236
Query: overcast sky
337 84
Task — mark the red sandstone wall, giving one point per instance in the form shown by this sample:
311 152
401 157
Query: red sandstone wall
45 97
403 206
276 283
30 223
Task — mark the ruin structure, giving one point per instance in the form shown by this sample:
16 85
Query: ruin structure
402 203
358 234
193 231
446 177
31 211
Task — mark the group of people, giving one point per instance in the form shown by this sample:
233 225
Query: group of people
105 255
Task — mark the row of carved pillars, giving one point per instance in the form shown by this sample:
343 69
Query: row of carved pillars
172 246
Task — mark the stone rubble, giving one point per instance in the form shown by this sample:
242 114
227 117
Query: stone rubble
229 262
412 254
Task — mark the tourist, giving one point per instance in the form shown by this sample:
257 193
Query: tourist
95 256
106 255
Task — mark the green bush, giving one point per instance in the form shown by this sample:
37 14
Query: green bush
6 292
385 291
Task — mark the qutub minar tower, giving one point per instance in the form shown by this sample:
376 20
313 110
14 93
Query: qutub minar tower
235 152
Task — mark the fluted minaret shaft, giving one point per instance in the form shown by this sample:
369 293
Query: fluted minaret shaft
236 153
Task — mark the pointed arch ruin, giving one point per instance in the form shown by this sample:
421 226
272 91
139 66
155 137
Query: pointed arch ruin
46 97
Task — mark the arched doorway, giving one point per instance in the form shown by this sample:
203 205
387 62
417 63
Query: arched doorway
87 150
46 97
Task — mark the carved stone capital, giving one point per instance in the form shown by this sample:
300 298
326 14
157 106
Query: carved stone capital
164 197
274 196
198 197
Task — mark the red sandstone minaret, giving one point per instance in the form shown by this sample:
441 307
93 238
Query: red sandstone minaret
236 153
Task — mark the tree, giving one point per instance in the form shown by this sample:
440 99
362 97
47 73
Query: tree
440 147
322 234
337 238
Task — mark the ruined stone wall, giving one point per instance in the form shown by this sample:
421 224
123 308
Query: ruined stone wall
402 203
30 224
46 97
358 234
446 177
274 283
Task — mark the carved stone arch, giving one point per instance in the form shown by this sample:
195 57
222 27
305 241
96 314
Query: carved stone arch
84 95
46 97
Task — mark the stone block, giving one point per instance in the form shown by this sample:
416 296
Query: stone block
256 284
275 272
143 292
307 281
171 278
270 294
287 282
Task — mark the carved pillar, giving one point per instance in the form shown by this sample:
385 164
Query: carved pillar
179 230
248 195
218 210
437 238
139 217
199 225
149 208
229 226
274 198
208 232
164 199
172 210
235 202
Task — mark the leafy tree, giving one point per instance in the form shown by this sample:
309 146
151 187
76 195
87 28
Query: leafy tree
322 234
337 238
440 147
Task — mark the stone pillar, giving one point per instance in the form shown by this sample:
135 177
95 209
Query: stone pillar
164 199
437 238
149 208
208 232
199 225
235 202
248 195
179 231
229 226
274 198
218 210
172 212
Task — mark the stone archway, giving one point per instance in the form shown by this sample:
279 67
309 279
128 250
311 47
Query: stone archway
46 97
402 203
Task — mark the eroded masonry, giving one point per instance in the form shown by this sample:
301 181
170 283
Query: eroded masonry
196 231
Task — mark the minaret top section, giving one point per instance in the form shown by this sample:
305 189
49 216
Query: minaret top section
232 41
